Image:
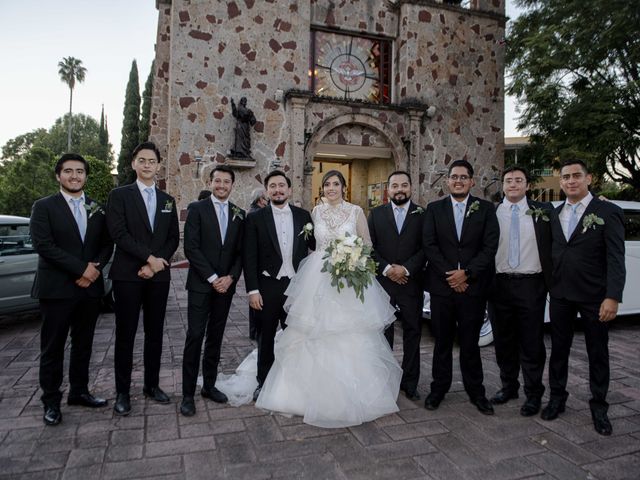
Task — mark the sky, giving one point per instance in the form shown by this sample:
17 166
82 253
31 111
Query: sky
107 35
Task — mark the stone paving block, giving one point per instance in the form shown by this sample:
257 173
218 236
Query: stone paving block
83 457
179 447
349 453
161 427
118 453
203 466
127 437
509 469
17 449
91 440
439 467
387 420
146 467
235 448
263 430
402 468
576 454
46 475
557 466
623 468
302 431
456 450
46 461
369 434
614 446
22 435
83 473
404 448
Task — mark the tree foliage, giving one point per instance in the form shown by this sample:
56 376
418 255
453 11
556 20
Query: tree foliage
100 181
145 114
574 66
130 127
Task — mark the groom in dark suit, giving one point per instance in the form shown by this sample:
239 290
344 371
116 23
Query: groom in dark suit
273 249
143 223
70 235
213 246
460 240
396 233
588 279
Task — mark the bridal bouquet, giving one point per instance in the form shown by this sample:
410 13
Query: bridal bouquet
349 263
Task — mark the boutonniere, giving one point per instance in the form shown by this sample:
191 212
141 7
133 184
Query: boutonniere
93 208
237 213
590 221
418 210
538 213
168 207
473 208
307 230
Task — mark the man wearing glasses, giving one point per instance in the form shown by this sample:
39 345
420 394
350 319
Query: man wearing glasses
460 239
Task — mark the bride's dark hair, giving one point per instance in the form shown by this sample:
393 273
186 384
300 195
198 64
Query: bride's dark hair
335 173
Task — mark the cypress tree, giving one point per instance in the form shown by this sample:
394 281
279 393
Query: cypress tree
103 138
130 127
145 117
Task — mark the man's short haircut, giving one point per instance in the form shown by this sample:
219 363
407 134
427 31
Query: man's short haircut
204 194
399 172
71 156
461 163
517 168
225 169
146 146
276 173
576 161
257 194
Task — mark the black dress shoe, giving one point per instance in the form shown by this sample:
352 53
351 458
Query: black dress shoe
123 404
411 393
256 393
86 400
530 407
503 396
156 394
214 394
432 402
601 423
552 410
483 405
188 406
52 415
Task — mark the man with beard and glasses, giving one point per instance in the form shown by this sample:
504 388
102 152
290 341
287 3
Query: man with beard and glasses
396 234
460 239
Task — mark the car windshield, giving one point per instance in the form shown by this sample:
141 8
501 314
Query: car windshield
15 240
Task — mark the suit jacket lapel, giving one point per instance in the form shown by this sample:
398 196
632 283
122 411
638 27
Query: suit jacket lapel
465 218
212 218
407 217
389 215
448 215
590 209
271 228
559 235
64 209
537 224
140 205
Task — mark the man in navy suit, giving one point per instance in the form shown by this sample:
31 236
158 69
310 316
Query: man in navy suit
460 240
396 234
519 294
70 235
143 223
213 246
588 279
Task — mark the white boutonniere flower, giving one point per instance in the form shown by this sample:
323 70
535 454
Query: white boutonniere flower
168 207
473 208
590 221
538 213
93 208
418 210
237 213
307 231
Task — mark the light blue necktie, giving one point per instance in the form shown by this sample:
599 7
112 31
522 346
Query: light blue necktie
151 205
514 237
459 218
77 214
399 218
573 220
222 219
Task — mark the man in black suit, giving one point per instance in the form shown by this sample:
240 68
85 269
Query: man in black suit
143 223
273 249
70 235
519 293
213 246
460 240
396 233
588 279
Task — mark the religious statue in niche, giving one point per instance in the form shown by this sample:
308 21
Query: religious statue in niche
244 120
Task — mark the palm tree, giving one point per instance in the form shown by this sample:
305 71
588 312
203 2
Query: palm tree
71 70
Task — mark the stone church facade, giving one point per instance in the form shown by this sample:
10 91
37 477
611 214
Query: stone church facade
360 85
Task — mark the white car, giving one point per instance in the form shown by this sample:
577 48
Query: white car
631 301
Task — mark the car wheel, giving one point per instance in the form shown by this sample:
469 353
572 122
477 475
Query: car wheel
486 331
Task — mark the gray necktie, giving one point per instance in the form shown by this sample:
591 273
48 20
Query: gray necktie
514 237
459 218
222 218
77 214
573 220
399 218
151 205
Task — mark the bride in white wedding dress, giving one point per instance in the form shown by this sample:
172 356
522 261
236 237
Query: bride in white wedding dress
333 365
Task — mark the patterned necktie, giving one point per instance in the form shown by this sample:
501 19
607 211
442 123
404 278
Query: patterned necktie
77 214
459 218
573 220
222 219
399 218
151 207
514 237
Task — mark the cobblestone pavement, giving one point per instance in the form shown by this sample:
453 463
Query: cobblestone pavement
454 442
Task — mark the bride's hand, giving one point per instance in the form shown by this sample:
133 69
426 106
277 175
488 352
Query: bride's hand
255 301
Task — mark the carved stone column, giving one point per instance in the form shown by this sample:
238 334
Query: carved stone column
415 118
296 146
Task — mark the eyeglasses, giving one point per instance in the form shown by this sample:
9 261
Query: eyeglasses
517 181
461 178
147 161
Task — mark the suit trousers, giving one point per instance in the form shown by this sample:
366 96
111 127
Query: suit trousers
267 319
518 305
207 315
462 314
61 317
129 298
596 335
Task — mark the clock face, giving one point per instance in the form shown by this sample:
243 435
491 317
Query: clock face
347 66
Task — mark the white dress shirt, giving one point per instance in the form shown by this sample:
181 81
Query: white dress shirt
565 213
283 219
216 208
453 205
68 198
529 255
